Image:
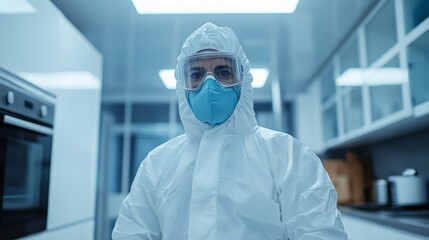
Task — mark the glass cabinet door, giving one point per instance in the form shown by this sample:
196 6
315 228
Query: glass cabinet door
380 32
418 68
328 101
328 85
415 12
352 109
330 125
385 88
350 82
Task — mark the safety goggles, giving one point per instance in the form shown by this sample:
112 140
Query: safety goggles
224 67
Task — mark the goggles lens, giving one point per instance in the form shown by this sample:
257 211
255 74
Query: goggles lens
224 67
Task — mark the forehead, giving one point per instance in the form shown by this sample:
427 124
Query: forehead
210 62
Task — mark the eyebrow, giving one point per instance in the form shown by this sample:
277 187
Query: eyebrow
197 68
220 67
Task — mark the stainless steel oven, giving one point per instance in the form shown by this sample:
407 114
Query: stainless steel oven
26 133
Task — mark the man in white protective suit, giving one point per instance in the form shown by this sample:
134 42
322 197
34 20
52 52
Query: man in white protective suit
226 177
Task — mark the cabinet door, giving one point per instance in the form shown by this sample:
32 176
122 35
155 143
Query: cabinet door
385 88
328 103
418 64
352 109
350 82
381 32
327 85
330 126
415 12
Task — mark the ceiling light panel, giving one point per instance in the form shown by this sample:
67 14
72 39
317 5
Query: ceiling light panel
214 7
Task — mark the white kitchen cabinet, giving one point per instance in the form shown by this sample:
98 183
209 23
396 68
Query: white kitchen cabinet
358 229
386 82
381 76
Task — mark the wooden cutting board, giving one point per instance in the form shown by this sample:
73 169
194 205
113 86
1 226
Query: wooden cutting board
347 178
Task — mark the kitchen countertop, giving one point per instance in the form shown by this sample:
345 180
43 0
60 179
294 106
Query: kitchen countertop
415 221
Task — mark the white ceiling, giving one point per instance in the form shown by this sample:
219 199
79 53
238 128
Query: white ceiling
135 47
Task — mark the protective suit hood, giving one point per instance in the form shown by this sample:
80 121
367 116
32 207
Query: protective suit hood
223 39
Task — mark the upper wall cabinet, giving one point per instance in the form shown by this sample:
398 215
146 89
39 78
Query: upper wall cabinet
380 76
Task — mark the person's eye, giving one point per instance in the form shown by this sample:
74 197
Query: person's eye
225 73
196 76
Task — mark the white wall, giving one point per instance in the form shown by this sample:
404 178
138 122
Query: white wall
75 150
308 124
45 42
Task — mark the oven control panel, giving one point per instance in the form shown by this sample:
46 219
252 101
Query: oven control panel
20 101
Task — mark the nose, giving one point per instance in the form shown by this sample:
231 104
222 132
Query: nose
208 75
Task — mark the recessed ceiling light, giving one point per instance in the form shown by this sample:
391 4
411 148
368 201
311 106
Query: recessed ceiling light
167 77
16 7
260 76
215 7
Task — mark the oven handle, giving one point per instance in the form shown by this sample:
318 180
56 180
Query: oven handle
27 125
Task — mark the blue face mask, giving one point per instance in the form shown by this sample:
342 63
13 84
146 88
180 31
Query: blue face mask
213 103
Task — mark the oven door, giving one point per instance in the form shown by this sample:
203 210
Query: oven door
25 158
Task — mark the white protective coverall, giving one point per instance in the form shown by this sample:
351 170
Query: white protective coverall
233 181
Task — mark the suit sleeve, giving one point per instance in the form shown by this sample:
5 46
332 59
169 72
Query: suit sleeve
137 217
307 197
